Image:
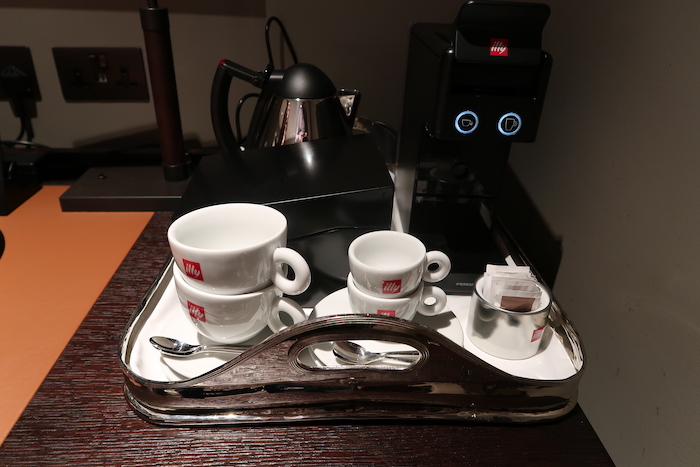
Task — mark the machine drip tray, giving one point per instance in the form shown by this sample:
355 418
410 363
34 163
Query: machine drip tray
460 231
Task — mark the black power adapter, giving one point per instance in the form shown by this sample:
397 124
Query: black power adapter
17 87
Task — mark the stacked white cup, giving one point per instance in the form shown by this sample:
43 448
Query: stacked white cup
231 272
388 271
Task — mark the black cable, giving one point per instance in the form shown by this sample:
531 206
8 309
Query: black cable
17 87
387 127
22 130
285 36
26 123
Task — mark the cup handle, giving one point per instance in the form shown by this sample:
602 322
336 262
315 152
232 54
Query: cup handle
288 306
444 265
437 301
302 273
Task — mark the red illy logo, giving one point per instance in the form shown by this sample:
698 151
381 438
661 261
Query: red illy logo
193 270
499 47
537 334
197 312
390 287
391 313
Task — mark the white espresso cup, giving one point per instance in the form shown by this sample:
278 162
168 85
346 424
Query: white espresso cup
232 319
428 300
387 264
236 248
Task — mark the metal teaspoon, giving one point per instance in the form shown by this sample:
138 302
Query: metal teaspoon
355 353
177 348
345 350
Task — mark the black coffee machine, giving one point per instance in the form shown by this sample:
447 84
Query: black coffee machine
473 87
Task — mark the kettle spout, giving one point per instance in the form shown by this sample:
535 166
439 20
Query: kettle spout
350 101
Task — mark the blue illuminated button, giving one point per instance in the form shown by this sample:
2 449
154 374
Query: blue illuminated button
466 122
510 124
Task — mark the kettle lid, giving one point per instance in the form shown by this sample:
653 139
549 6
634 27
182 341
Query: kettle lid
305 81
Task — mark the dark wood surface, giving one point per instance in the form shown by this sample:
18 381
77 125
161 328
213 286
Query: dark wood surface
79 415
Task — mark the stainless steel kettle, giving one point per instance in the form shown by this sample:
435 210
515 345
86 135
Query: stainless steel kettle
295 105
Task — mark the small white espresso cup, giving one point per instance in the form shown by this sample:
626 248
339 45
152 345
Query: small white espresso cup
236 248
386 263
428 300
233 319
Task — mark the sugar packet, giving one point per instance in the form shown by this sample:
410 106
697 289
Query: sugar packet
511 287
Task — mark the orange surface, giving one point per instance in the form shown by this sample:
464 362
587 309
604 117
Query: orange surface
54 267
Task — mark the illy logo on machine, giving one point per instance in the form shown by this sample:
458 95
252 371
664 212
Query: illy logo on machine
196 311
192 269
389 287
499 47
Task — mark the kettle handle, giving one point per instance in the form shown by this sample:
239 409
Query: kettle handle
221 85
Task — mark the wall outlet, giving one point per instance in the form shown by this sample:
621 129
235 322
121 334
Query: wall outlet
100 74
21 59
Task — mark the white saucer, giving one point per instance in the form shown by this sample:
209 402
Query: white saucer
196 365
337 303
168 319
552 362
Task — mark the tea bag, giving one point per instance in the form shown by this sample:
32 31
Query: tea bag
511 287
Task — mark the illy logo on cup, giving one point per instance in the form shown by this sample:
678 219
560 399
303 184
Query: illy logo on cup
390 287
391 313
537 334
197 312
499 47
193 270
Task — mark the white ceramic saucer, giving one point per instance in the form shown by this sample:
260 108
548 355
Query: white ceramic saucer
337 303
196 365
169 320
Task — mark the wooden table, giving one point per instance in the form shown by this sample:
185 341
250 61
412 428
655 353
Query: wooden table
79 415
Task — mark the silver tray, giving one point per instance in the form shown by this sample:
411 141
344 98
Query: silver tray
273 381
